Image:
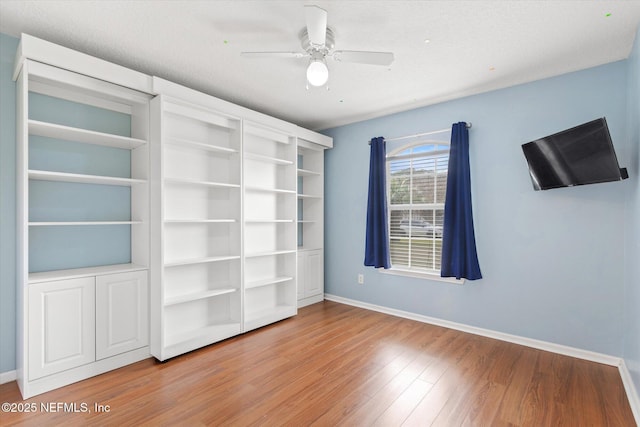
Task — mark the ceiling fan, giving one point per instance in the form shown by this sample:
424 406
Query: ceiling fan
317 41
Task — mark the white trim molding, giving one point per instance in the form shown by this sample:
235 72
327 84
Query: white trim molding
7 377
632 393
420 275
528 342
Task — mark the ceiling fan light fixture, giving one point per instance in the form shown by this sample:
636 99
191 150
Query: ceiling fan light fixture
317 72
317 42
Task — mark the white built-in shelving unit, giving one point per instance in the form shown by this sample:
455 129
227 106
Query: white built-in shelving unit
82 220
310 219
152 219
196 205
269 225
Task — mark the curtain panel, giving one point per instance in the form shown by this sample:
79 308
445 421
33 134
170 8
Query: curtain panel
377 233
459 256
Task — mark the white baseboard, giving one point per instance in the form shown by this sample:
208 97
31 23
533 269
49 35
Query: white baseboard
310 300
632 392
7 377
528 342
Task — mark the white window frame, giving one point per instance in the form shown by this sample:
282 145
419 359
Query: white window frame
395 154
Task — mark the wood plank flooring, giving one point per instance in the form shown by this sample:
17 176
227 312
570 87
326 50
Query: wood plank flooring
335 364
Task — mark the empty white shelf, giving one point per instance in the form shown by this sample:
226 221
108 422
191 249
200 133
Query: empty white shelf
200 260
269 253
199 221
198 296
260 318
267 282
201 114
200 145
265 133
270 190
69 223
67 133
268 221
183 341
306 172
82 179
183 181
268 159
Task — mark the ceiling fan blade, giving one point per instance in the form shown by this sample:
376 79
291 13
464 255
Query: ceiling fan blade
361 57
274 54
316 18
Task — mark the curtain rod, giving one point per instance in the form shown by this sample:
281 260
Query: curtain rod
422 134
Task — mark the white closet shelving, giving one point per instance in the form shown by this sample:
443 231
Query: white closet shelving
310 219
83 220
196 203
310 196
269 225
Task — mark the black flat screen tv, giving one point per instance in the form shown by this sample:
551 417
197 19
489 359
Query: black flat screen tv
581 155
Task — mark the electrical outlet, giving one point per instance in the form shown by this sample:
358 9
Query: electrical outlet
360 279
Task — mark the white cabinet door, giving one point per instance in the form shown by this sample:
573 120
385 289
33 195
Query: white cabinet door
61 325
122 313
314 280
310 273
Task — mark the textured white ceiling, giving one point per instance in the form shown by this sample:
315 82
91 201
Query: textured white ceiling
475 46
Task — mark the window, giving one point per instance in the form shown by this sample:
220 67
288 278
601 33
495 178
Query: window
417 183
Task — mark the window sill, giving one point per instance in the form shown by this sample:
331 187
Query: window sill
421 275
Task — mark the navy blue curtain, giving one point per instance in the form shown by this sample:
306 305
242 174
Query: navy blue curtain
459 257
377 240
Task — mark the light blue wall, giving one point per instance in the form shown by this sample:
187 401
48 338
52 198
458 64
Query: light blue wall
631 324
552 261
8 47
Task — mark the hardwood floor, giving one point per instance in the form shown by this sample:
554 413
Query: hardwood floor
335 364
